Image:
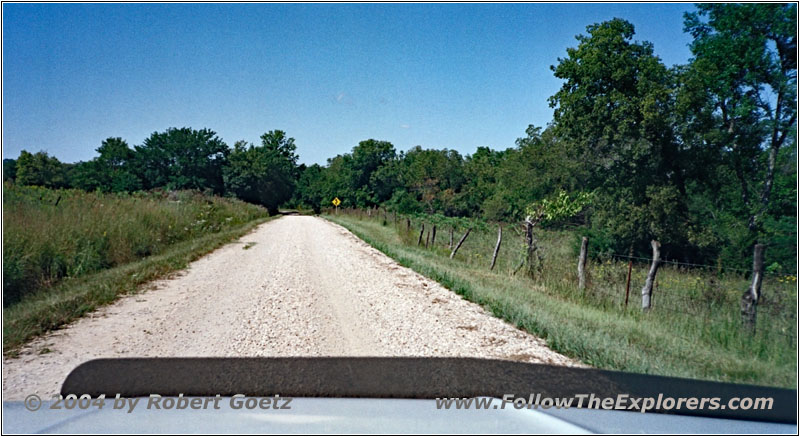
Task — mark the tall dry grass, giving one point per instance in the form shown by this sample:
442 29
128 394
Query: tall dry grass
49 235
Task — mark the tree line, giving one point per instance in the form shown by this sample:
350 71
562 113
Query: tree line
176 159
701 157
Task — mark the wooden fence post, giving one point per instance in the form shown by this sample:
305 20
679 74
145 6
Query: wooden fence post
497 246
460 242
421 231
647 290
433 235
531 256
749 302
450 246
530 249
628 282
582 264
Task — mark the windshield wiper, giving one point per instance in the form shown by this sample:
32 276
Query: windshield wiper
417 378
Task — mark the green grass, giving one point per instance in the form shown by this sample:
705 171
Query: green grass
50 235
693 330
64 258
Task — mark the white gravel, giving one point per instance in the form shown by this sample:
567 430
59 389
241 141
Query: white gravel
307 287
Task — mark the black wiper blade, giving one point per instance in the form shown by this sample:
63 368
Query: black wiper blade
415 378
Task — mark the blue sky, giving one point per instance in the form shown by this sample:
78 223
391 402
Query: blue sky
330 75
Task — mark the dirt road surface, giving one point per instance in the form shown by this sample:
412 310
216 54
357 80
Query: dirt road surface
296 286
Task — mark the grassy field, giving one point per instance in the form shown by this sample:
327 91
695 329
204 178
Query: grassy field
693 330
66 252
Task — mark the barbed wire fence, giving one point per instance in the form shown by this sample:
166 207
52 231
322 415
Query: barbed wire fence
707 293
695 289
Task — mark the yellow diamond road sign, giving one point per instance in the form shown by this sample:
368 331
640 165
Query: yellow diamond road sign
336 201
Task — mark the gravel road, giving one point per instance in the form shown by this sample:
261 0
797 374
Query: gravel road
296 286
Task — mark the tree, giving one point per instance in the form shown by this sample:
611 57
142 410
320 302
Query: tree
368 157
366 177
40 169
740 93
85 175
112 171
385 181
9 169
116 163
539 166
266 174
310 187
338 181
480 184
434 177
615 111
182 159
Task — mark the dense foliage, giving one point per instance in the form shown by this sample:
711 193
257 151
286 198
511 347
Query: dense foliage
700 156
264 175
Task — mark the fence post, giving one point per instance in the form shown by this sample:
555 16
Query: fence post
531 255
421 231
628 282
647 290
460 242
497 246
750 297
582 264
433 235
450 246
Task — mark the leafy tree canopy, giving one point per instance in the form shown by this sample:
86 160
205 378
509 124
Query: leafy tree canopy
182 159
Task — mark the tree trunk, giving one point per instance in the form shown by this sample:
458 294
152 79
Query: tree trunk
777 140
647 290
497 246
460 242
582 264
433 235
750 297
421 231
